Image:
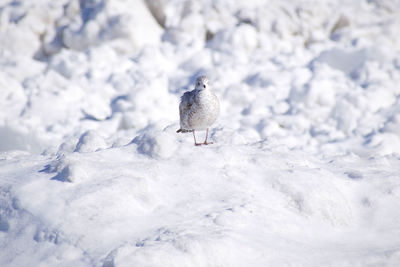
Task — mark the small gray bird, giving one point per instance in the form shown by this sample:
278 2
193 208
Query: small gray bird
198 109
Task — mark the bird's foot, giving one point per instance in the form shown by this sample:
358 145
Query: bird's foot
205 143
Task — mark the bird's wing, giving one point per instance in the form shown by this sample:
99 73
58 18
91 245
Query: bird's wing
187 100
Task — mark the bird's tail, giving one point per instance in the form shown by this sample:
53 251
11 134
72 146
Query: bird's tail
184 131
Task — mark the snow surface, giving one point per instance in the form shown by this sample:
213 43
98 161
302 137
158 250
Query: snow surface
305 165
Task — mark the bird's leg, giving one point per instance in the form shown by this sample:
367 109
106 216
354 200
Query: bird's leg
194 137
205 142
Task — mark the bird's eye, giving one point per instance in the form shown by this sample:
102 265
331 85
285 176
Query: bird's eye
198 83
204 85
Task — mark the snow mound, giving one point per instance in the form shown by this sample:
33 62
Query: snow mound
347 61
90 141
67 169
11 139
157 143
125 28
244 37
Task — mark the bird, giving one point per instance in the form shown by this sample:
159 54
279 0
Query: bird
198 109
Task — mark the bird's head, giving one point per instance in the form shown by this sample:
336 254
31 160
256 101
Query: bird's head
202 83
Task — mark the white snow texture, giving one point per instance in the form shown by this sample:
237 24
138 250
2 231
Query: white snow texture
305 165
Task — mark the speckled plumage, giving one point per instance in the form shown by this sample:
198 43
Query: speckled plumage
198 108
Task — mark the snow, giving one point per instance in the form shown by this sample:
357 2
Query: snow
306 157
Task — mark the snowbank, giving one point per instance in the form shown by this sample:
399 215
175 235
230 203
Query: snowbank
304 166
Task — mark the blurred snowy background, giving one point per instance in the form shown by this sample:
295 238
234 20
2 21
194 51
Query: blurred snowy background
306 162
